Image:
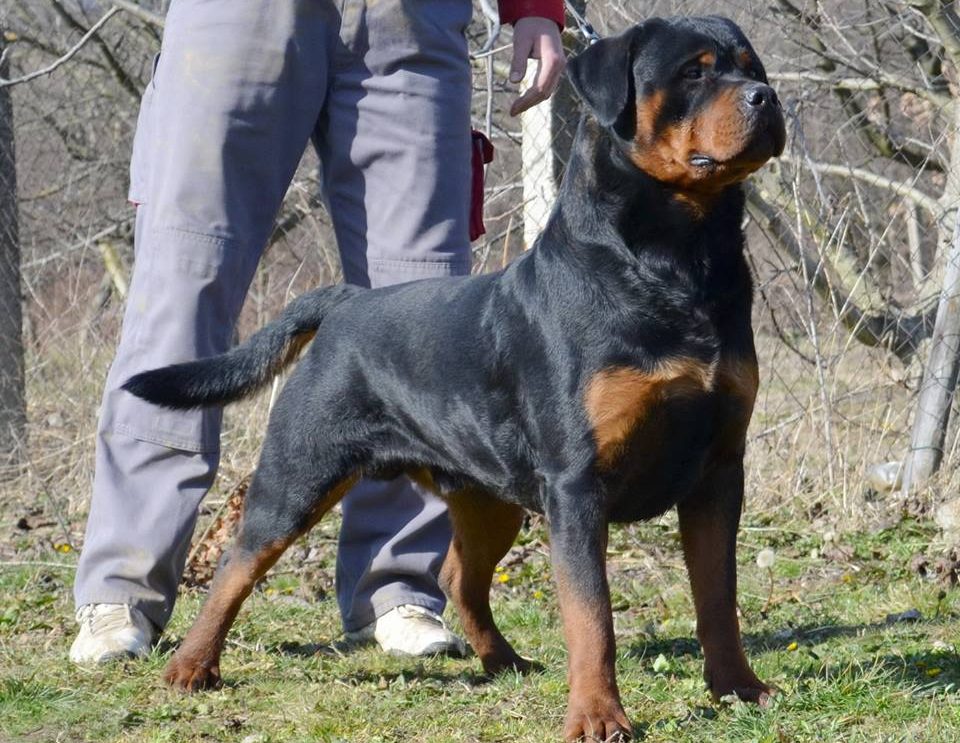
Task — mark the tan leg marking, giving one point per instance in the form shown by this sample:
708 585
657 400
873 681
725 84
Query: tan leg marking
737 380
712 568
740 378
196 664
483 531
594 711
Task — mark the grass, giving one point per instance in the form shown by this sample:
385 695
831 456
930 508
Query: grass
843 565
846 671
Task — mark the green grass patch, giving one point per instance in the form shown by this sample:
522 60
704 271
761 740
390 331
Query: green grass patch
828 624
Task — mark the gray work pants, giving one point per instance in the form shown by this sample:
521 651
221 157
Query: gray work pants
382 88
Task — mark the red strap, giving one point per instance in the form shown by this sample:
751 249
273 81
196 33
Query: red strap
482 155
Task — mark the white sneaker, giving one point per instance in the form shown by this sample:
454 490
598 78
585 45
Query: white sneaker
410 630
111 631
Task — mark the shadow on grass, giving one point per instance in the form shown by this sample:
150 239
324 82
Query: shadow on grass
417 674
763 642
341 649
673 647
167 646
310 649
929 671
344 648
923 673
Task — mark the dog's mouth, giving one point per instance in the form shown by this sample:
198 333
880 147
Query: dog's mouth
698 160
766 141
744 163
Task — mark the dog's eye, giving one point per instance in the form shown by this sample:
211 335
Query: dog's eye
693 72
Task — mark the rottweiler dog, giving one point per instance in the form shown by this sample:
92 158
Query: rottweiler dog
607 375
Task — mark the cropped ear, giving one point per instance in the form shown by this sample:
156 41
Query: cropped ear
602 75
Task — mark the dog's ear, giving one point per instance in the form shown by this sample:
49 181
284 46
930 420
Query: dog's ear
602 75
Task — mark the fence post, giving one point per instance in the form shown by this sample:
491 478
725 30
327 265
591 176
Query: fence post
12 401
547 132
932 415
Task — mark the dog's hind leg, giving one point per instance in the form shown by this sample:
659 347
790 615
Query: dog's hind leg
483 531
284 501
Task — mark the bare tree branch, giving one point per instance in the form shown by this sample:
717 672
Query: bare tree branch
121 75
4 83
295 218
861 84
934 404
900 188
900 334
80 245
872 77
37 43
154 19
943 17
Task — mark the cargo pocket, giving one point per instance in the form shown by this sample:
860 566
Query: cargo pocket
139 160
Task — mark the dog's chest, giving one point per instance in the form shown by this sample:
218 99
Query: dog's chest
647 424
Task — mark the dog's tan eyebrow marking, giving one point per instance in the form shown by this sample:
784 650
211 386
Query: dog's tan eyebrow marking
744 59
707 59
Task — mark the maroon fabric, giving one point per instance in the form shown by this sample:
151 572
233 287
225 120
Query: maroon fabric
513 10
482 154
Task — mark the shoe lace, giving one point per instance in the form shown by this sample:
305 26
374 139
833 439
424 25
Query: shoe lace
105 617
420 614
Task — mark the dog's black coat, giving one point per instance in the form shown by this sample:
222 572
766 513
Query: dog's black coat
497 384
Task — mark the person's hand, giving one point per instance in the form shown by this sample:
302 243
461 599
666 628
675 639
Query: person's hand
539 39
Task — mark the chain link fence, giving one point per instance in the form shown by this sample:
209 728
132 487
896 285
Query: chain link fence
848 234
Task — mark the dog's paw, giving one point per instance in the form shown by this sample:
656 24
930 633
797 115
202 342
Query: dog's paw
509 663
742 684
189 675
762 695
596 720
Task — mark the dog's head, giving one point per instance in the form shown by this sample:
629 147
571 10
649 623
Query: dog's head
687 100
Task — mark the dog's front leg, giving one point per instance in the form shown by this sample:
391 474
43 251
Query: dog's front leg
708 529
578 544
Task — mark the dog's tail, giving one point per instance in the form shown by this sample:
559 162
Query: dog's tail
243 370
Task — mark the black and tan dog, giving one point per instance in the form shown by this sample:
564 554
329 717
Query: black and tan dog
607 375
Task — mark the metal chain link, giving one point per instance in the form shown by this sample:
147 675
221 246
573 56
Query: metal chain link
586 30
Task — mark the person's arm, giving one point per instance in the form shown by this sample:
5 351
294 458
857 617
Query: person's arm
536 35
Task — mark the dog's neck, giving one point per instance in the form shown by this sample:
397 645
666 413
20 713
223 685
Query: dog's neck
633 211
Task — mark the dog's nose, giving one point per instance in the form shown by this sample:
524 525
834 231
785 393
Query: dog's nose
761 96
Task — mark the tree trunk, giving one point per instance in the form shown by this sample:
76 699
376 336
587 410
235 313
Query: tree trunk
12 401
932 416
